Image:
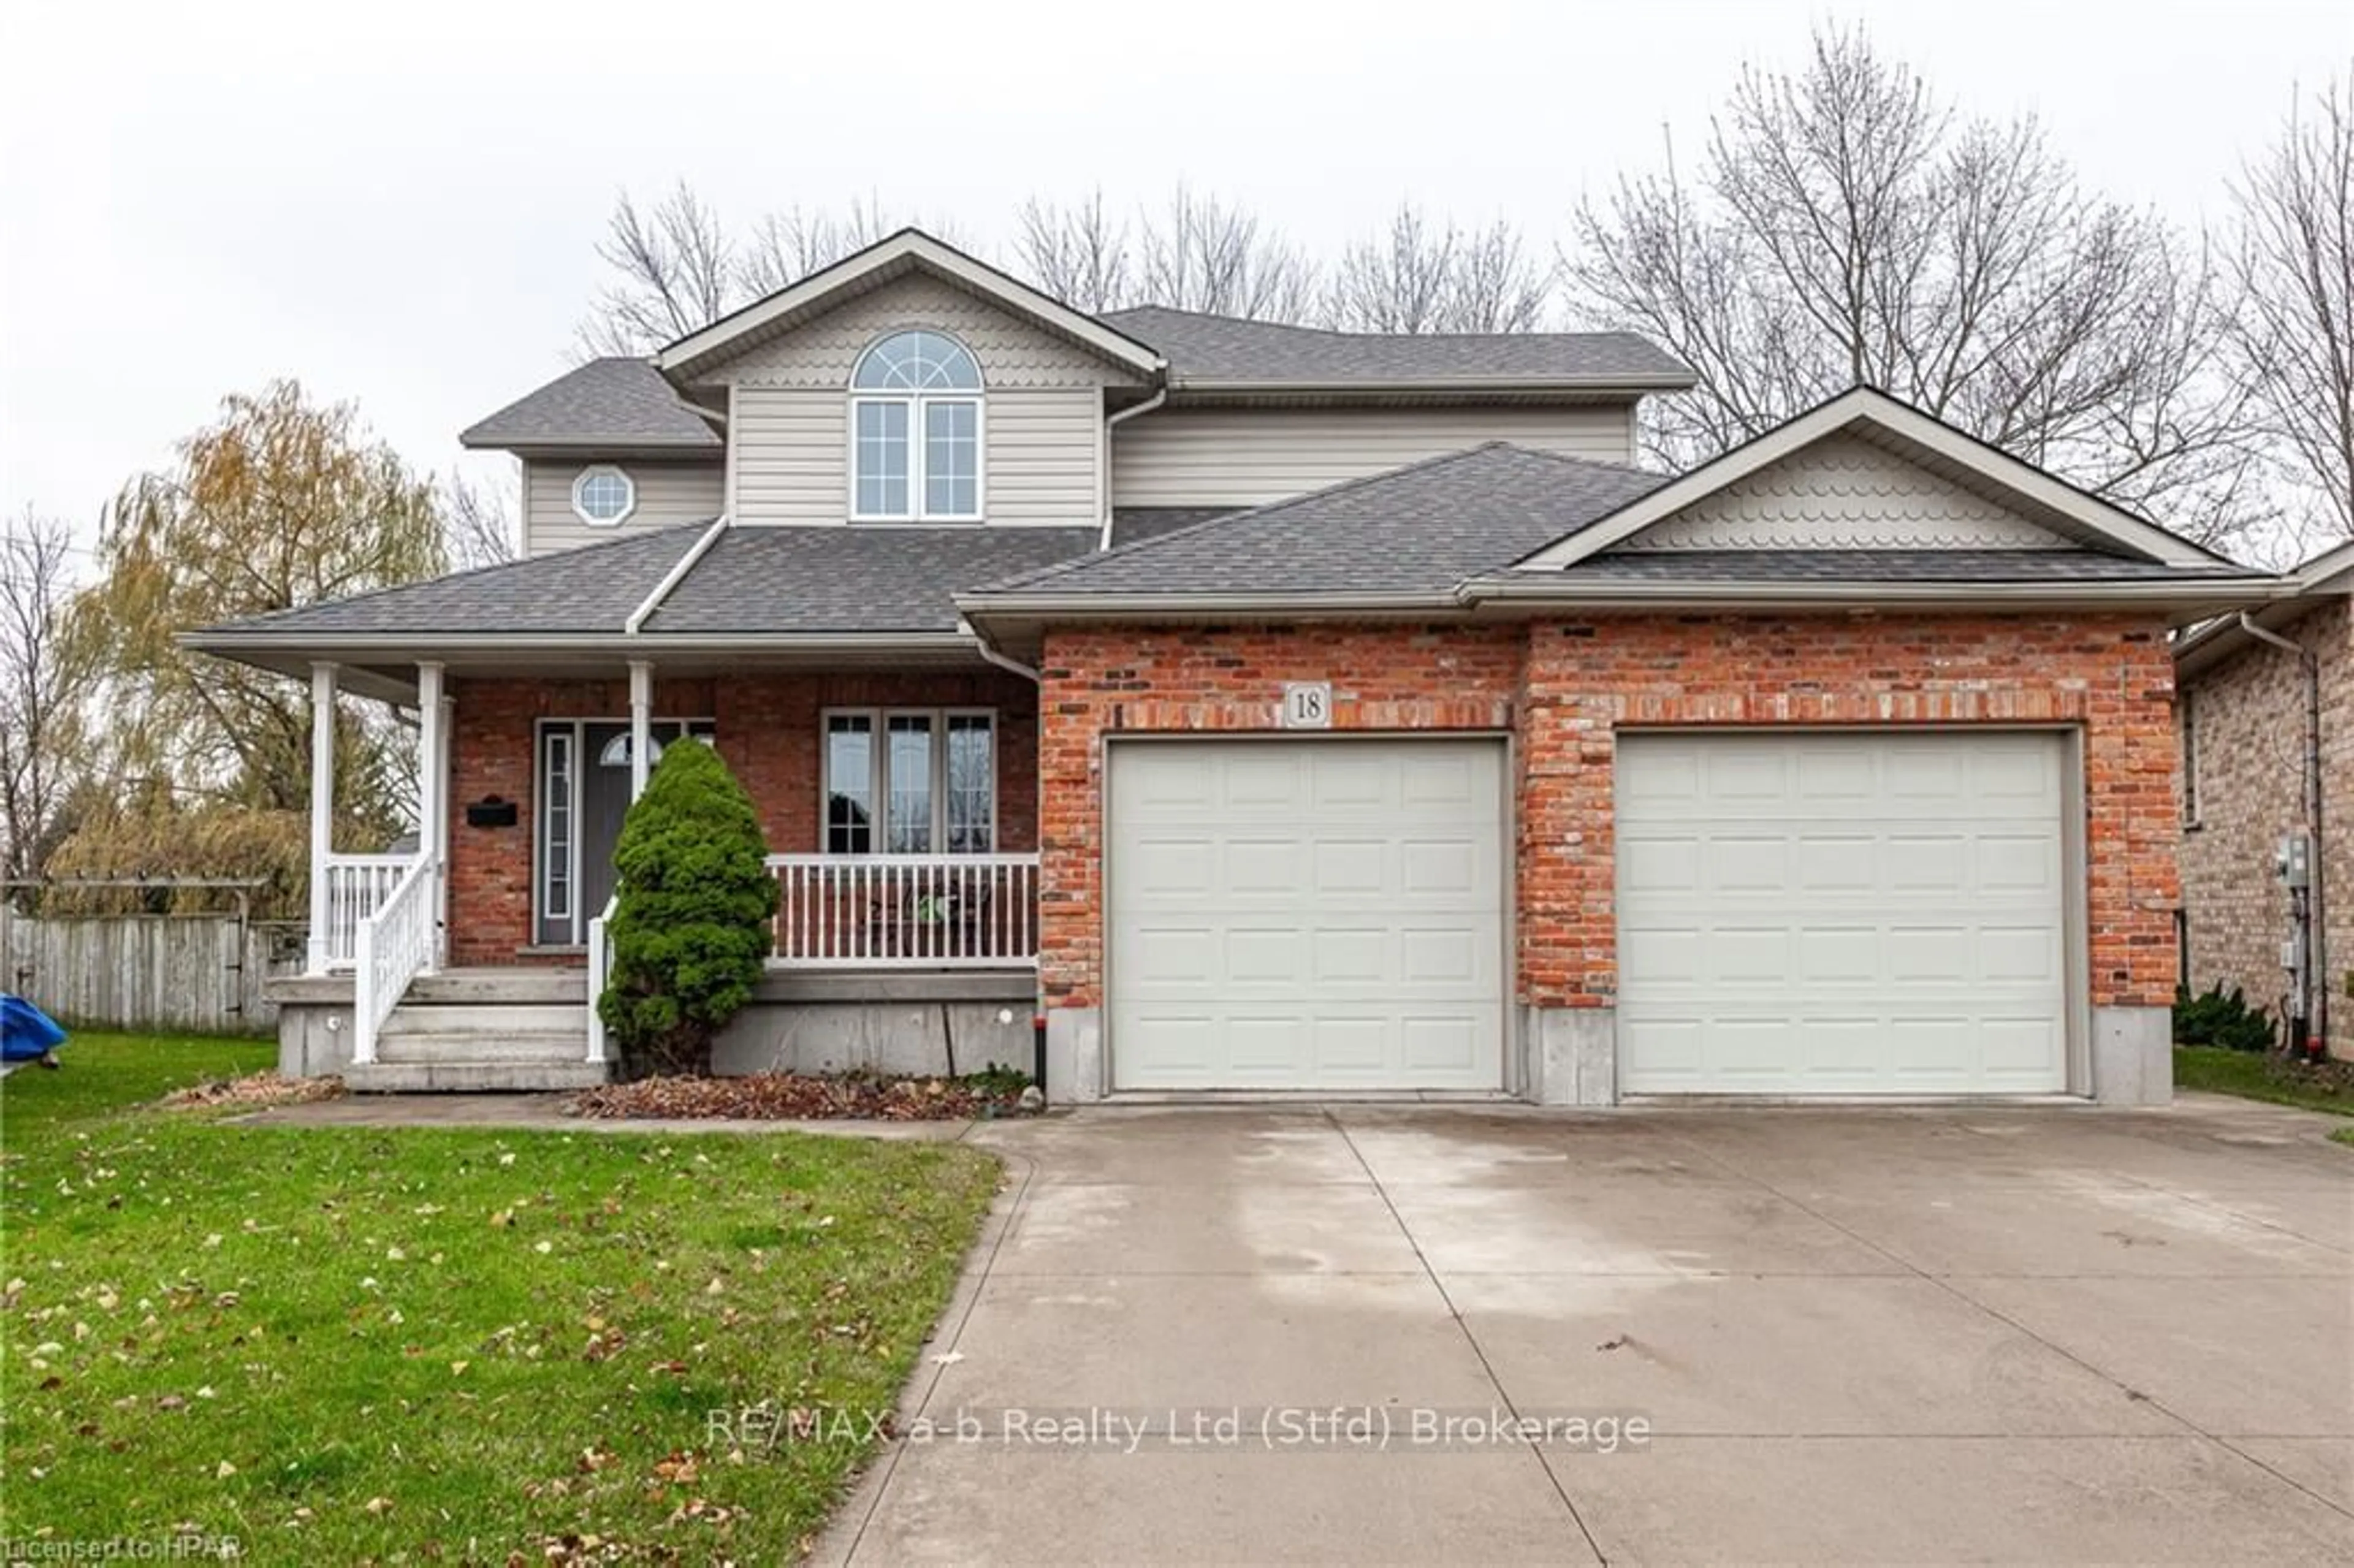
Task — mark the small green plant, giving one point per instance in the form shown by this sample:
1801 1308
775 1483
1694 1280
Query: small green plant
690 930
997 1078
2216 1018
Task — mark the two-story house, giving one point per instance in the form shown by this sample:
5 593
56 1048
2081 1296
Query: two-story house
1275 710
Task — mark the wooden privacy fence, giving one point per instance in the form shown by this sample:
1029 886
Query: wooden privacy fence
203 973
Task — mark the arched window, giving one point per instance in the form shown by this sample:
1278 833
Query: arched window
914 421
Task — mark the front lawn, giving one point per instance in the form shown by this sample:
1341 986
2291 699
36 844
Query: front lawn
344 1343
2256 1076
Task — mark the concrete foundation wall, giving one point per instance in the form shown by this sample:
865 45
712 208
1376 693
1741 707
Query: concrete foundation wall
1570 1055
2133 1055
917 1024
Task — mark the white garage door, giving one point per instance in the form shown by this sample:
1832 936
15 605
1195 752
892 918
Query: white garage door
1826 913
1306 915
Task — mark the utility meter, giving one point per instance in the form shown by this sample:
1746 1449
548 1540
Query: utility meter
2293 864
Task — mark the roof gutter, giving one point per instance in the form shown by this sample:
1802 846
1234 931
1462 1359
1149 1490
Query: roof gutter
1632 384
675 576
1546 589
991 652
1103 462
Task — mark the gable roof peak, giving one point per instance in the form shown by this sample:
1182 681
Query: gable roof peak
905 250
1917 437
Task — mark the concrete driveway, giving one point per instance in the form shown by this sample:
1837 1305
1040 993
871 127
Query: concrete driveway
2041 1334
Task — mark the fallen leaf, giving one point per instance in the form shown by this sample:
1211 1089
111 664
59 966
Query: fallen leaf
378 1505
223 1471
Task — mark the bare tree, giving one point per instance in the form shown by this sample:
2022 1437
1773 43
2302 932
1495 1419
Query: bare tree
675 269
1847 226
1079 254
788 246
478 522
2294 331
1203 254
1426 277
43 684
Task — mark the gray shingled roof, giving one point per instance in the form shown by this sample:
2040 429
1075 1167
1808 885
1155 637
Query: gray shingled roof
1415 530
893 578
884 578
618 403
1201 349
1881 565
592 588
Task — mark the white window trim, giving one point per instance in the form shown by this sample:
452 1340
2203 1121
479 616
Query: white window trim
593 470
878 779
916 402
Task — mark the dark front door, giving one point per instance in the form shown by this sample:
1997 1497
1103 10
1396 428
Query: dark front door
604 802
584 775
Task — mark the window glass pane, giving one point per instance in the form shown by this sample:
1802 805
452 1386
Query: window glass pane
603 494
951 459
908 773
971 794
556 839
917 362
848 784
882 483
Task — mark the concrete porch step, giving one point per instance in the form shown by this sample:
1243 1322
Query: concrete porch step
495 1019
522 984
489 1045
445 1076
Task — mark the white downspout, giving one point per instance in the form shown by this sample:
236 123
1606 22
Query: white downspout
1103 465
676 575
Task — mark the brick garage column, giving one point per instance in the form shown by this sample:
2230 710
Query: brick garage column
1567 922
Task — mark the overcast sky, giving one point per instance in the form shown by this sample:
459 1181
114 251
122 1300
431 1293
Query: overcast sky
396 202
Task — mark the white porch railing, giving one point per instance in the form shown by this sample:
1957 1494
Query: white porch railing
357 886
600 970
393 947
906 911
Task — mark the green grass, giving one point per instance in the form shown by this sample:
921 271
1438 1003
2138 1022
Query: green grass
409 1344
2253 1077
2344 1135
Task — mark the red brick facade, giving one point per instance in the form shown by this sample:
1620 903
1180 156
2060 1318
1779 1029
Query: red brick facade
1561 690
768 729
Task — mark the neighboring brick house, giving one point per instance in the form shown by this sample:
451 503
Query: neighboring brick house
1276 711
2243 722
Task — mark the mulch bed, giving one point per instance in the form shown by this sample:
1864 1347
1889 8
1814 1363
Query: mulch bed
255 1091
2334 1074
794 1096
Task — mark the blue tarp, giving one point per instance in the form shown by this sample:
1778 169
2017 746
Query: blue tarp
26 1033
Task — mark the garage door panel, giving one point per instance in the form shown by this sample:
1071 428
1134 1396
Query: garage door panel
1349 929
1892 920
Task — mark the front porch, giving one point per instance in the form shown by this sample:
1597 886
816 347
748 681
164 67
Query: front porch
900 807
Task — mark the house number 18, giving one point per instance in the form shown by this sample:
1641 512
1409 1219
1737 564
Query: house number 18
1308 705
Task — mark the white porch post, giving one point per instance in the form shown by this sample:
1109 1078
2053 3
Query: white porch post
642 719
432 791
323 810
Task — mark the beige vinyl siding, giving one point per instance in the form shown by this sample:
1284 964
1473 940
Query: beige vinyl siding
1038 462
669 493
1041 416
792 455
1012 350
1845 494
1245 457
